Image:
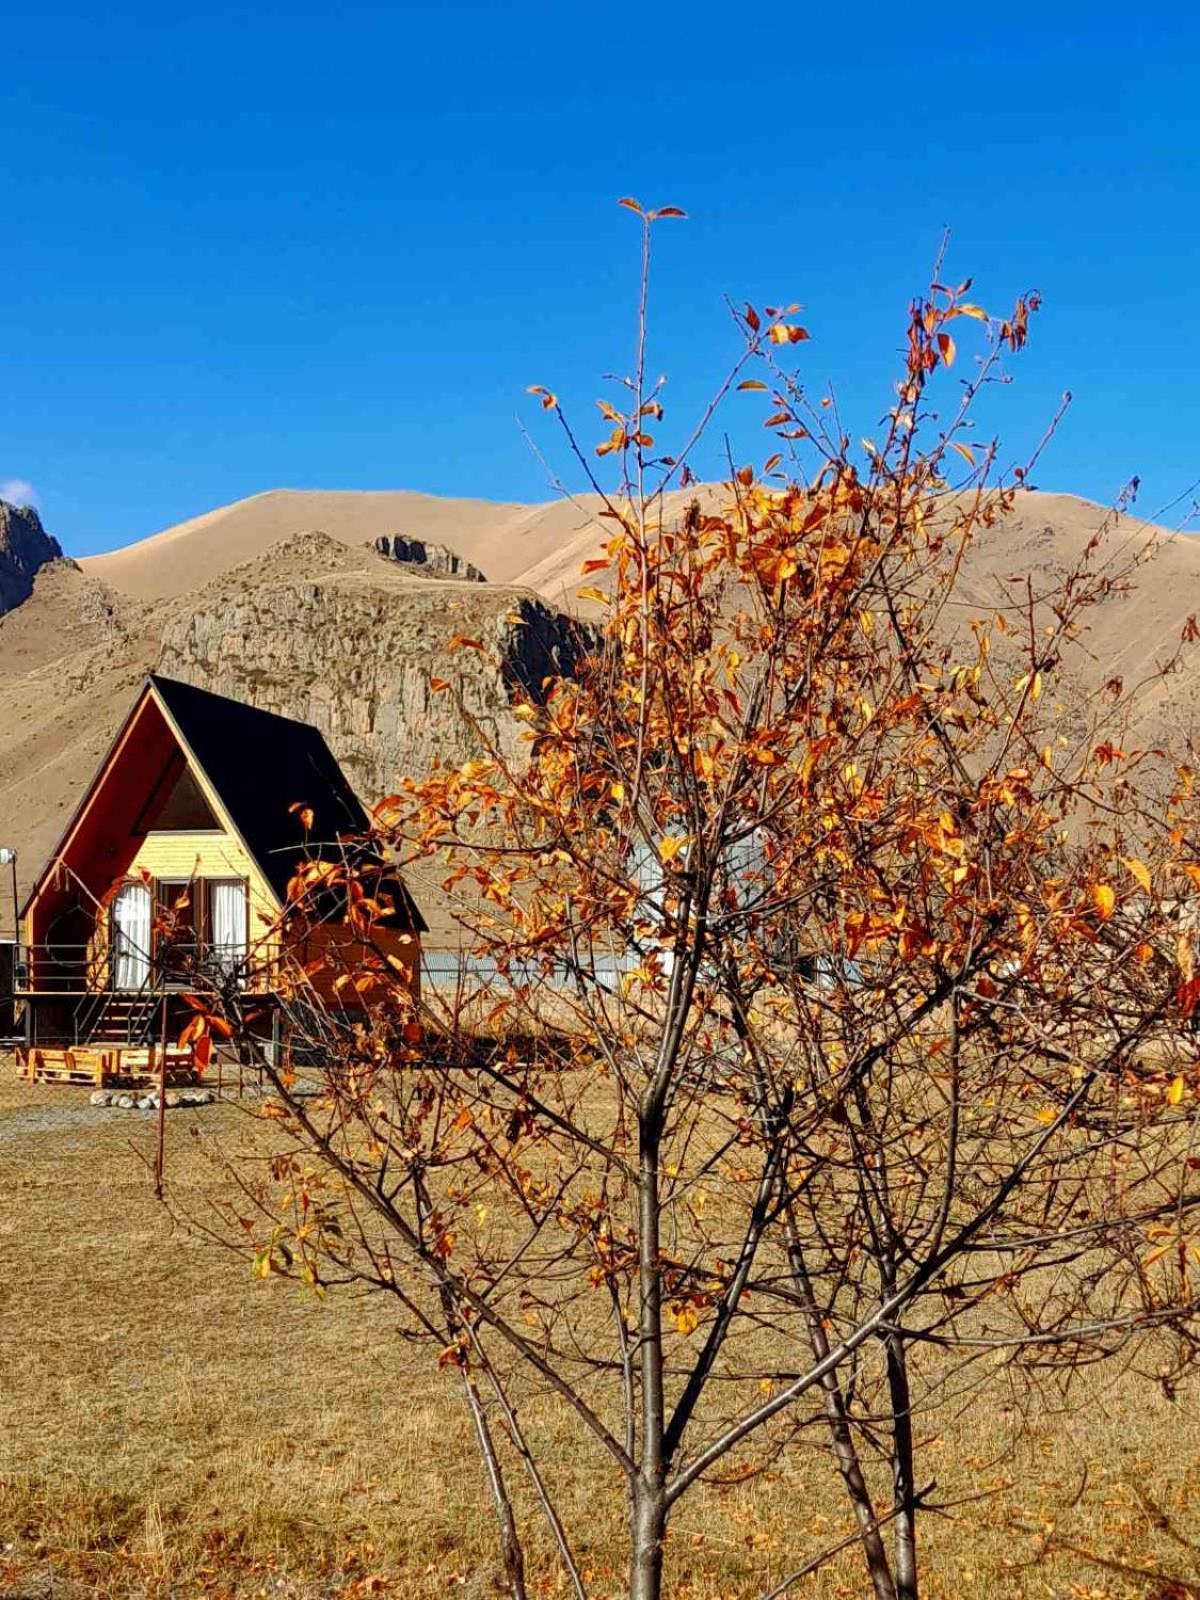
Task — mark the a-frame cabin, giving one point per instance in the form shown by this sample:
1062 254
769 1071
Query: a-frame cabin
172 876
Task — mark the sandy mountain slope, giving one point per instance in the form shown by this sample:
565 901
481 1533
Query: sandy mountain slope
539 547
1131 633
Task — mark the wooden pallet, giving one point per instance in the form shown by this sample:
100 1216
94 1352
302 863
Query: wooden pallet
98 1068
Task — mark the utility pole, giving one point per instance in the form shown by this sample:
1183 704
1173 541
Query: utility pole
160 1142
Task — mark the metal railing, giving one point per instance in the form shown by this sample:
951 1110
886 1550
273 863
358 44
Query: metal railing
51 968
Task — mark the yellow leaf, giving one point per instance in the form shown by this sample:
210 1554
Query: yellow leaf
964 451
786 333
590 593
1105 900
1139 870
687 1318
1175 1092
669 847
1047 1115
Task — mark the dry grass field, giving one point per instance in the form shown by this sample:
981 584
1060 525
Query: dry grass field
170 1428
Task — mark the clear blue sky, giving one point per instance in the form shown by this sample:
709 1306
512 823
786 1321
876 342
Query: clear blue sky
329 247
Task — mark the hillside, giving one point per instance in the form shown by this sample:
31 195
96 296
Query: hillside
539 547
249 601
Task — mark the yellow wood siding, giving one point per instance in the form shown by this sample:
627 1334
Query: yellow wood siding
208 855
194 855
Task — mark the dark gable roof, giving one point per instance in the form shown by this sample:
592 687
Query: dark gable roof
260 765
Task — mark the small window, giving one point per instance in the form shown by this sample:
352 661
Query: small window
183 810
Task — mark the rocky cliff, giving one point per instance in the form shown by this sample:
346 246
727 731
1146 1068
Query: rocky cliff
433 560
352 644
25 548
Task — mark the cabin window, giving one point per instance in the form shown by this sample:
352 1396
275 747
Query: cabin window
131 924
228 921
177 806
200 922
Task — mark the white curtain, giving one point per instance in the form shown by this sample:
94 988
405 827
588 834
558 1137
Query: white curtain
131 936
227 903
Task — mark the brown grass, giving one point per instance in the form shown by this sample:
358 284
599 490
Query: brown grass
168 1427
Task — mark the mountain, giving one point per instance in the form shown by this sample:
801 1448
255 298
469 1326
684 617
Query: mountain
249 600
25 548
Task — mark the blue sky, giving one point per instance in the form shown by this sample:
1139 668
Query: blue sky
330 247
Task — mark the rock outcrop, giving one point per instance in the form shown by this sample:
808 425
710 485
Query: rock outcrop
25 548
433 560
355 646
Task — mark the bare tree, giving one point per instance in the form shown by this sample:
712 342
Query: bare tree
821 1048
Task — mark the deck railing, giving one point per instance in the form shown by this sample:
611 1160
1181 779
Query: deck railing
50 968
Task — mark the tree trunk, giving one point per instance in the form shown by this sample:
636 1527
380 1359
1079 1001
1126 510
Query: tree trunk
649 1516
649 1527
844 1449
903 1486
510 1541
